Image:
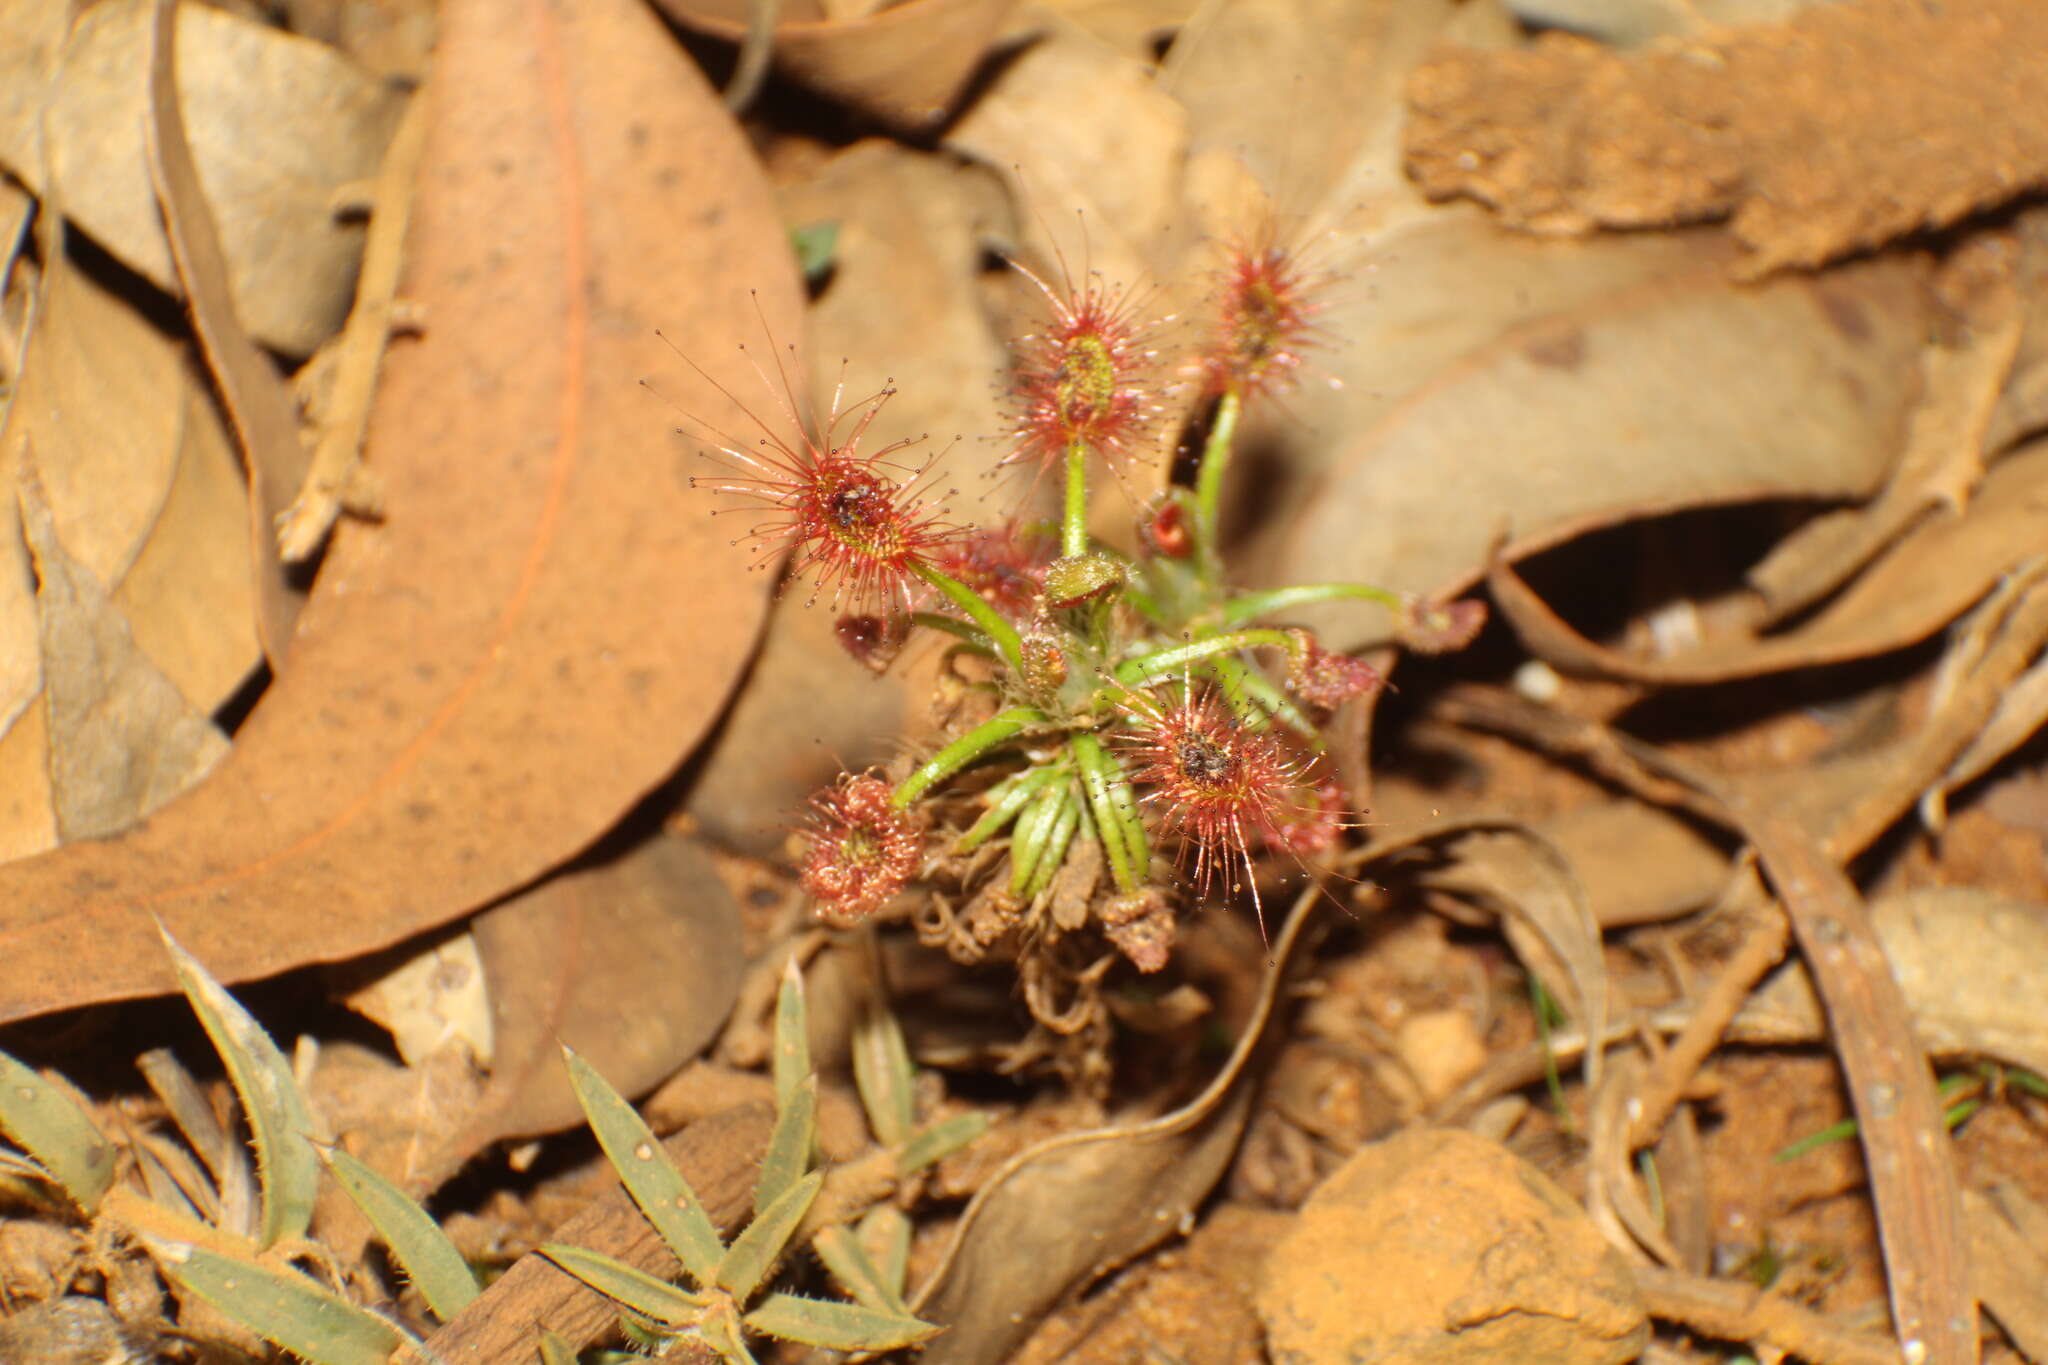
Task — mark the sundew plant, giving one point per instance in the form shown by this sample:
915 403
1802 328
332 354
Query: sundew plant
1130 730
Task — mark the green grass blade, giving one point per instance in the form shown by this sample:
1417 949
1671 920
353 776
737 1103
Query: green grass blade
416 1241
792 1062
283 1307
649 1176
648 1295
789 1146
51 1126
841 1252
281 1123
939 1139
836 1326
754 1252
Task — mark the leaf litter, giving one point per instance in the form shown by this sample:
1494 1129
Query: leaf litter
1733 801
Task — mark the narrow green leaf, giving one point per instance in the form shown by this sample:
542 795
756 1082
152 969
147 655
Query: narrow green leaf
649 1176
883 1074
836 1326
755 1251
283 1307
857 1275
884 1235
939 1139
792 1060
41 1115
645 1294
789 1146
416 1240
555 1349
280 1121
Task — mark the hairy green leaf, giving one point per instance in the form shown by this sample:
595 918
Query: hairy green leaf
841 1252
939 1139
283 1307
837 1326
645 1294
281 1123
41 1116
754 1252
792 1061
649 1176
884 1235
883 1073
415 1239
789 1146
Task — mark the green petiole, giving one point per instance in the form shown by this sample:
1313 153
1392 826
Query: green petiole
964 750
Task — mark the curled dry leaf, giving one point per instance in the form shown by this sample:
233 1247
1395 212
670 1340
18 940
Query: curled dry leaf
1850 126
1925 582
546 623
278 125
904 64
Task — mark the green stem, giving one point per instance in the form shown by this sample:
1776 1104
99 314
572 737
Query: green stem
965 750
1005 799
964 631
1099 775
1001 632
1261 698
1209 485
1074 524
1252 605
1148 666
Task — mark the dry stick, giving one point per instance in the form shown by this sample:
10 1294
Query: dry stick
1734 1312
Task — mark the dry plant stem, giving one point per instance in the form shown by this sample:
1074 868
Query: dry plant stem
720 1158
1762 947
1735 1312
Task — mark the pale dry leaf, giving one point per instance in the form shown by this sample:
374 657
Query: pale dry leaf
31 44
428 998
905 63
278 126
122 740
473 698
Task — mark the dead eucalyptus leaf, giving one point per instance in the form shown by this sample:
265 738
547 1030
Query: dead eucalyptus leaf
123 741
547 621
1931 577
904 64
632 958
278 125
249 385
1635 863
1970 964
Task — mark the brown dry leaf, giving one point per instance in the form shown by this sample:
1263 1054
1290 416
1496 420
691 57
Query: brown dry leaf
123 740
904 64
633 960
547 622
1931 577
1969 963
31 44
1041 125
278 125
250 388
1848 127
144 499
901 305
2009 1272
1636 864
